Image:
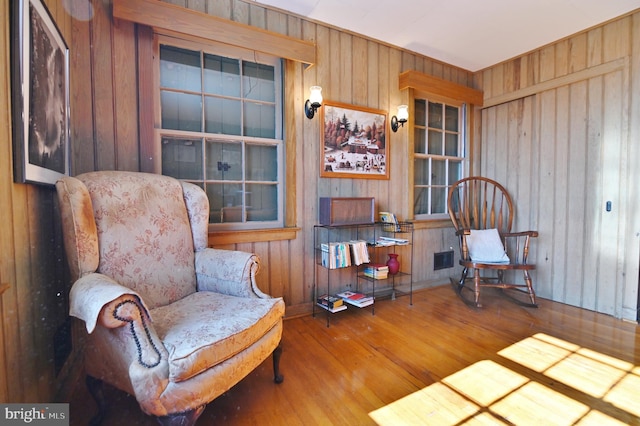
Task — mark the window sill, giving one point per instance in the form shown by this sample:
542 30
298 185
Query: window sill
253 236
432 224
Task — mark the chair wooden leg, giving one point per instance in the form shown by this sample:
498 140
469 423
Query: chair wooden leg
188 418
476 286
463 277
96 389
532 294
277 353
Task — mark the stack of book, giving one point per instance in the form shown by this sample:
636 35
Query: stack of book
356 299
331 303
377 271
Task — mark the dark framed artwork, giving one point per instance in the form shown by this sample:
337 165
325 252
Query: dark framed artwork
354 142
40 95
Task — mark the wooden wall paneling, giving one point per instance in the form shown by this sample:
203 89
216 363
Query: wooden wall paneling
576 206
373 83
380 81
199 5
632 250
577 60
546 270
359 71
18 329
220 8
594 193
500 156
279 269
125 89
103 96
295 94
594 47
561 190
81 99
147 97
359 94
30 295
240 12
561 62
497 80
616 39
525 164
612 148
257 16
345 83
547 63
513 149
8 356
309 152
277 22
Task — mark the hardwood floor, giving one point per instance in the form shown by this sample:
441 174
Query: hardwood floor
435 353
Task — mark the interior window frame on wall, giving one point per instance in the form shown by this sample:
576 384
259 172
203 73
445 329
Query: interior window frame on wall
461 157
233 213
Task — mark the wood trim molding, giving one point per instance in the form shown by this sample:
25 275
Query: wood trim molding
172 18
436 86
224 238
554 83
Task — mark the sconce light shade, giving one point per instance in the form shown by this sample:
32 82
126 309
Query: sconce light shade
401 118
314 102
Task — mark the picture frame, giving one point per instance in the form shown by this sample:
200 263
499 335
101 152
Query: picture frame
354 142
40 95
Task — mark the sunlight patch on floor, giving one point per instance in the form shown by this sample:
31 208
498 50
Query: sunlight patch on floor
489 393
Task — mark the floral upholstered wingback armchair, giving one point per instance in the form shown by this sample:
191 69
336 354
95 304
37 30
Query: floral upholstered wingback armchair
169 320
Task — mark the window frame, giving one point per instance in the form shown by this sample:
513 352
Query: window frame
463 152
414 84
219 49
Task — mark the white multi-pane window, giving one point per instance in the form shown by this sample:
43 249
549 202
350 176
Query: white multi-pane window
221 128
439 155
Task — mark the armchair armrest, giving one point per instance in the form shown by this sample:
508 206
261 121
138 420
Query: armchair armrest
93 292
131 342
518 244
228 272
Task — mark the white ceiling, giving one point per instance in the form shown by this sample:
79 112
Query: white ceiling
471 34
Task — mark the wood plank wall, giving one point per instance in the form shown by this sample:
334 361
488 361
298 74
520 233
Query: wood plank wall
560 129
350 68
33 306
354 70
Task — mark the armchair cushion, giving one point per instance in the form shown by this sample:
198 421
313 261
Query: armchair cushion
206 328
485 246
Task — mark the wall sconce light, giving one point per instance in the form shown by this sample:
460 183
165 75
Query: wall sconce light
403 116
314 102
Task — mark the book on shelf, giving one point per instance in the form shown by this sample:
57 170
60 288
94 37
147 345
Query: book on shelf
344 254
359 252
376 270
390 220
394 241
357 299
332 303
335 255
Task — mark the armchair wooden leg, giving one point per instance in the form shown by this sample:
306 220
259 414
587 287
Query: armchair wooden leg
277 353
96 389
